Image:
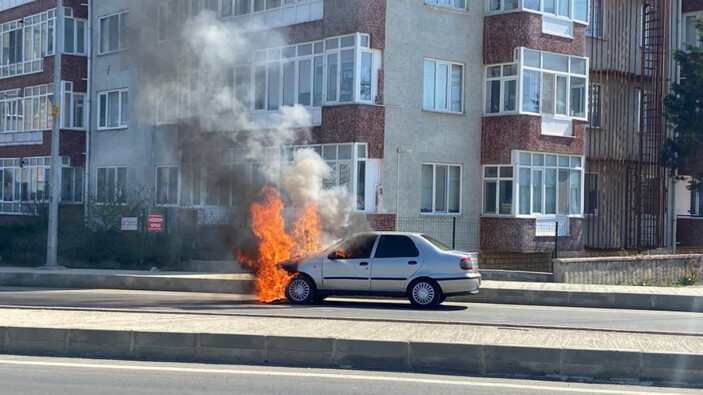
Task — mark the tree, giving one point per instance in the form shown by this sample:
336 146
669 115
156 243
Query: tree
684 111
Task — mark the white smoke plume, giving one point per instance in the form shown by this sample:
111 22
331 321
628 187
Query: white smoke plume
213 48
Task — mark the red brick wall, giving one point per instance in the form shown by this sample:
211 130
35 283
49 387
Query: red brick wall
501 134
689 232
353 123
518 235
505 32
691 5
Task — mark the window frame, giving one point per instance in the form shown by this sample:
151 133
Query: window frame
168 186
568 74
503 79
434 211
595 105
451 6
449 64
516 166
521 7
120 197
684 19
122 122
121 36
86 41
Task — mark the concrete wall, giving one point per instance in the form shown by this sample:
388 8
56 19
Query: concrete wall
416 31
632 270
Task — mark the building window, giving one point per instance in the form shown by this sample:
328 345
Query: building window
25 42
546 185
167 185
74 34
113 33
25 183
11 111
690 33
73 107
210 178
594 117
458 4
572 9
441 189
696 202
38 102
111 185
498 190
591 188
553 84
501 88
594 28
549 184
337 70
443 86
113 109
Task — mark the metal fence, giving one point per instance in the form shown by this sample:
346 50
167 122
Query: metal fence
459 233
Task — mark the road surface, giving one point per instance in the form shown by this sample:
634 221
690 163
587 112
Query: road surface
378 309
39 375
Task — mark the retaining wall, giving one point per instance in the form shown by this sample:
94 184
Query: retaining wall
630 270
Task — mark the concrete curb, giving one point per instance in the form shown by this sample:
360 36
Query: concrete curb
608 300
241 284
331 352
514 275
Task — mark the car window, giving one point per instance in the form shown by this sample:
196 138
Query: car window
358 247
436 243
392 246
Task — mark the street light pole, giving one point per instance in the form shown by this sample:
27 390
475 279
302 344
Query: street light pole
52 234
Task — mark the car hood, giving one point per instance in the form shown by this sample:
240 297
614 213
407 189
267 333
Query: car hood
291 265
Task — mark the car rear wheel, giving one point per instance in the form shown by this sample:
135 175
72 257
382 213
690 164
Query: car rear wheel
424 293
300 290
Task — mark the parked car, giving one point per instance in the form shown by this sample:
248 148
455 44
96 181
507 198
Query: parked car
397 264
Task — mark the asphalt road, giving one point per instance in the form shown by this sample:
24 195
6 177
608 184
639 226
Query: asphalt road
379 309
38 375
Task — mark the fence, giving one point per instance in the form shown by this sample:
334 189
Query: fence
456 232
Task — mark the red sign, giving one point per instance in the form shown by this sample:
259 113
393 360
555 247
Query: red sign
155 223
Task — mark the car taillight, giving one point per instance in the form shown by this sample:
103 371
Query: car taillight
465 263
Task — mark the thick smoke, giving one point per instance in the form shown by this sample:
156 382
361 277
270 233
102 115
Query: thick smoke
194 74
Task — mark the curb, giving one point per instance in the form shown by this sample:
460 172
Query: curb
446 358
606 300
146 282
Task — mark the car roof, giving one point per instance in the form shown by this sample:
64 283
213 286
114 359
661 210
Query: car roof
388 232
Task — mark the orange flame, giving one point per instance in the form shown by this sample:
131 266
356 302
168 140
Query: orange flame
276 245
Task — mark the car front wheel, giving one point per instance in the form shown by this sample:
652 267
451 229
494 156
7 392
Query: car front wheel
300 290
424 293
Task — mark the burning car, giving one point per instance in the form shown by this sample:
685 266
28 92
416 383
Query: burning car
397 264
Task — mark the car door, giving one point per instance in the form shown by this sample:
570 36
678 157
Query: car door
395 260
348 266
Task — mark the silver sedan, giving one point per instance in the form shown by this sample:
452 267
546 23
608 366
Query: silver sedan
397 264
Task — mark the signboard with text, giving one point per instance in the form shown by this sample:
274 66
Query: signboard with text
155 223
129 224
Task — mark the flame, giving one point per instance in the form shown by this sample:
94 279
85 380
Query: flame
276 246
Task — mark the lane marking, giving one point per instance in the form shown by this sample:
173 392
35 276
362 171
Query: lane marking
242 372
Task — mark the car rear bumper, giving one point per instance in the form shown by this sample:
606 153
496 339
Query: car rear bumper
461 285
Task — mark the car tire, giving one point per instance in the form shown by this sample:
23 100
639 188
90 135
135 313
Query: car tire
319 298
442 299
424 293
301 290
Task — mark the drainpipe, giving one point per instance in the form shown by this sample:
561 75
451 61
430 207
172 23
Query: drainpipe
88 116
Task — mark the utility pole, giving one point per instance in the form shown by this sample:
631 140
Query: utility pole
52 234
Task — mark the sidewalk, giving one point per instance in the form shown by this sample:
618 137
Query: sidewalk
464 349
688 299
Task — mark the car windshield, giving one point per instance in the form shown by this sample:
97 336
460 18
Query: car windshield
437 243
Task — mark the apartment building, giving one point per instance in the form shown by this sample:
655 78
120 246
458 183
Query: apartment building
497 125
29 41
390 105
689 203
